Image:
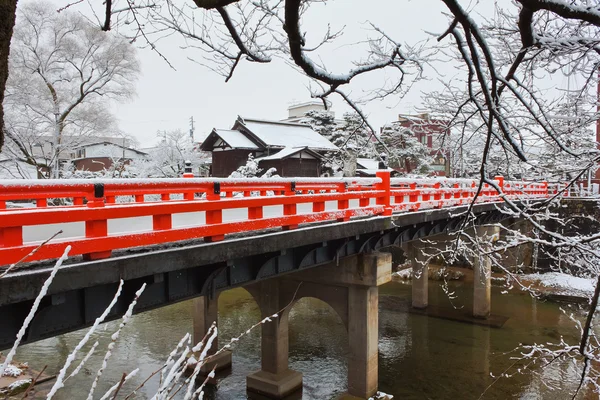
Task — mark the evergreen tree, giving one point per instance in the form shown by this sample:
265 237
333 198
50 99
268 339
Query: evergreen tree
405 152
350 135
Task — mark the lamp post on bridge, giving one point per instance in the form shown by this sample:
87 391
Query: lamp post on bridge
187 171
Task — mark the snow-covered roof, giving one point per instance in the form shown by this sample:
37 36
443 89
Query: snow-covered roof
235 139
105 143
287 152
372 172
367 163
285 134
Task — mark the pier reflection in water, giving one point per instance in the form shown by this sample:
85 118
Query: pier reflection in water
420 357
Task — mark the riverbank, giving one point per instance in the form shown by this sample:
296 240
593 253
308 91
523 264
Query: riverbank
552 285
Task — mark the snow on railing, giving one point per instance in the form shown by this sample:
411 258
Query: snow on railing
248 205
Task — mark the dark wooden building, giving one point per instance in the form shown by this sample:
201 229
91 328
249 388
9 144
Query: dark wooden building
292 149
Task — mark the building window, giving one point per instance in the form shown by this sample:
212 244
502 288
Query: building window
424 139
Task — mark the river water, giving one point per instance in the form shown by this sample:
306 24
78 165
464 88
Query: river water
420 357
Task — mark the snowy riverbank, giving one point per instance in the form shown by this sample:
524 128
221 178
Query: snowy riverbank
560 284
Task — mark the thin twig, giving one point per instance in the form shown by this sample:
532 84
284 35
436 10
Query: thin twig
32 384
143 383
585 337
120 386
15 265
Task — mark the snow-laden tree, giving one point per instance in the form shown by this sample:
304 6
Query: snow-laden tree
63 74
167 159
248 170
322 122
405 151
575 122
350 135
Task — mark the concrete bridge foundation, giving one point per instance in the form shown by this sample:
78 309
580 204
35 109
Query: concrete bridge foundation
482 271
205 313
275 379
420 274
350 288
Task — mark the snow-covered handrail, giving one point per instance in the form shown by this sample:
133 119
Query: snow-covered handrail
296 201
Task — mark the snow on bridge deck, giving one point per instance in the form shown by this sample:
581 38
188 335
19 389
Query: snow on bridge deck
101 216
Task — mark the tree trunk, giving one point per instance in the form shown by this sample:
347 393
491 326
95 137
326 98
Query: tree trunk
350 165
8 10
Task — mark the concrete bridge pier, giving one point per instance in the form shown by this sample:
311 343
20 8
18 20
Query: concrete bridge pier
205 313
420 274
482 271
350 288
275 379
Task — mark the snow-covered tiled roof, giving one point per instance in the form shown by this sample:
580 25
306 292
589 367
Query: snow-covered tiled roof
285 134
367 163
235 139
106 143
372 172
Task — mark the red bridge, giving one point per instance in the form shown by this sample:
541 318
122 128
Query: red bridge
169 236
247 205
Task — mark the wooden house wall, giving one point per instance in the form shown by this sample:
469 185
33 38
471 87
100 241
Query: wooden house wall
225 162
291 167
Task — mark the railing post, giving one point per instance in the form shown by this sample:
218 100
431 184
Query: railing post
413 197
214 217
500 182
162 222
426 195
385 185
437 195
11 236
343 204
466 193
290 209
456 187
96 228
318 206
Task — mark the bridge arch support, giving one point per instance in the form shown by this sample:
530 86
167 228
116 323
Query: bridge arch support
350 288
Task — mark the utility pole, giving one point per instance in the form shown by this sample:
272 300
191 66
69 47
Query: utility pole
192 129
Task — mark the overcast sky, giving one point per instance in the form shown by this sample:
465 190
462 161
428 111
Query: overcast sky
167 98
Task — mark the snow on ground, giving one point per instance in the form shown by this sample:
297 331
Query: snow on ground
381 396
13 371
563 284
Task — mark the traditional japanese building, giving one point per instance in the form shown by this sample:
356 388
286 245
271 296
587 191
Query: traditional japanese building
293 149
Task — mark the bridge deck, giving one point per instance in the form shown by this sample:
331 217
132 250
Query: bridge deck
316 222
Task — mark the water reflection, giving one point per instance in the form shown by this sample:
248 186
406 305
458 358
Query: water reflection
420 357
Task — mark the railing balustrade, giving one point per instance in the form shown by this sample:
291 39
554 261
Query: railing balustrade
212 208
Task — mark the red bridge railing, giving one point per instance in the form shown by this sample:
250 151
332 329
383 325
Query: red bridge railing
109 215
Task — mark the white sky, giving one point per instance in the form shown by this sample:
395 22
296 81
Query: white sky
166 99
